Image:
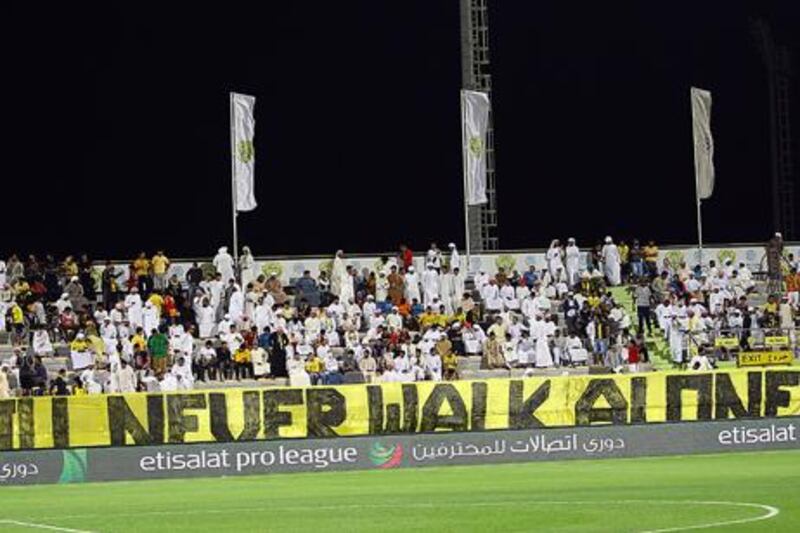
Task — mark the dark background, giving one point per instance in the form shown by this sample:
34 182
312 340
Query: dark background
118 135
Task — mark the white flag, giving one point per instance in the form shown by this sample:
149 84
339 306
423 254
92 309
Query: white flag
474 123
703 142
243 127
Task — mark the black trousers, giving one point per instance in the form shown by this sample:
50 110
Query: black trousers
643 313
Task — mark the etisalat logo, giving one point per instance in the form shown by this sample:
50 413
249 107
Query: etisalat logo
386 456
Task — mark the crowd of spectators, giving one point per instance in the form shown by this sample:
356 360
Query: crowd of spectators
139 328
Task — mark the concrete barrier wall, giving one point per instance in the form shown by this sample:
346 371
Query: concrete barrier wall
288 268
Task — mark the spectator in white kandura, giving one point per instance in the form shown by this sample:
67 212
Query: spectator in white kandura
430 284
223 262
434 257
573 260
247 267
554 257
236 304
411 282
41 342
455 258
6 377
611 262
183 372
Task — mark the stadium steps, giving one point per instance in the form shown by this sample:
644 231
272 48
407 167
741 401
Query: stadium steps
245 383
656 345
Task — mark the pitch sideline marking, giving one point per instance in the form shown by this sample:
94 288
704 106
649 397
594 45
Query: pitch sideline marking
771 511
43 526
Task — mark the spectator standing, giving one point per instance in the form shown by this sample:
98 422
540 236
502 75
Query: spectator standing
224 362
194 277
109 285
643 297
651 258
141 268
59 386
158 346
5 385
160 265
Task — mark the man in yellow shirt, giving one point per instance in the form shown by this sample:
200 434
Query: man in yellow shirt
139 341
243 359
314 368
160 265
158 302
18 323
141 267
624 251
427 319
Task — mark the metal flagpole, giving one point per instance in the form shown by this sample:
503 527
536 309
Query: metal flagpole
233 184
466 191
699 217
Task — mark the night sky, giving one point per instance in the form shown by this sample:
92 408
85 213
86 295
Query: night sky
119 134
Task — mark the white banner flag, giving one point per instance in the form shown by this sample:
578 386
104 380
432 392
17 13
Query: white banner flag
243 127
474 123
703 142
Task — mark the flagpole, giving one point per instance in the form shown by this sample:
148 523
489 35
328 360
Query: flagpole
466 192
699 224
233 185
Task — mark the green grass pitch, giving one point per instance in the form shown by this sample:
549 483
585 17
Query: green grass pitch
727 492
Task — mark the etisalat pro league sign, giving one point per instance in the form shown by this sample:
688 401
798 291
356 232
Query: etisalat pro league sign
393 451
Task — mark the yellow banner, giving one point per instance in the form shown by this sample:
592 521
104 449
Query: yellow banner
776 341
253 414
762 358
726 342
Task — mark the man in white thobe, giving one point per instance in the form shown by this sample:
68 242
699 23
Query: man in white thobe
481 280
509 296
109 334
183 371
133 303
223 262
247 266
490 295
677 333
459 282
611 262
542 330
448 294
573 254
381 287
41 342
412 286
150 318
236 305
553 256
126 377
338 273
430 284
347 289
434 257
455 258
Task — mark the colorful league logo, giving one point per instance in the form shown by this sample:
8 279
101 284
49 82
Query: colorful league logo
75 464
386 456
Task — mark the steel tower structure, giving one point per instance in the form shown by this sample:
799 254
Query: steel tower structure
476 76
777 61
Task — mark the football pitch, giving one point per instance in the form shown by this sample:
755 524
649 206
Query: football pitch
727 492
